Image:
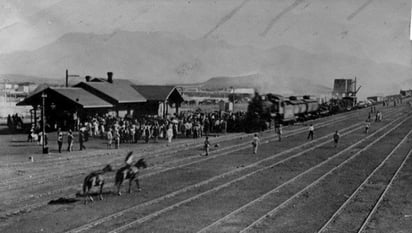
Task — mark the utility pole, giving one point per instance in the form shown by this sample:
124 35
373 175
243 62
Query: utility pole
233 99
45 149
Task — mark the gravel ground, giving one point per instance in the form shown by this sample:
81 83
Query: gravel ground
200 190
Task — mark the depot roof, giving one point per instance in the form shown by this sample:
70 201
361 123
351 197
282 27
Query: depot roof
75 95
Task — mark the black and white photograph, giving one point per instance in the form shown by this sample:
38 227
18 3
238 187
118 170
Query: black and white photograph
206 116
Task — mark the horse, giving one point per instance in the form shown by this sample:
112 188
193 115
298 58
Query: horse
95 179
131 173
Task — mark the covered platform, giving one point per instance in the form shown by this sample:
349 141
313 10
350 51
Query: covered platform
64 106
158 99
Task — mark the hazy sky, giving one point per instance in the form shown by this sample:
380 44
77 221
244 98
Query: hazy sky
373 29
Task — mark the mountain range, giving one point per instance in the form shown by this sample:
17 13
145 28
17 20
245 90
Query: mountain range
162 57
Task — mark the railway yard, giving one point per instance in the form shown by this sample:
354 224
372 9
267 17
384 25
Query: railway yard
293 185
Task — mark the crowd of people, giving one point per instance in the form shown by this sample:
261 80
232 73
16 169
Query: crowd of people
129 130
14 122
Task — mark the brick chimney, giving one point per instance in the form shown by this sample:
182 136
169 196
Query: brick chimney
88 77
110 77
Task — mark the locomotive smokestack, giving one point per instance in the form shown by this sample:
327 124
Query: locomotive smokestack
110 77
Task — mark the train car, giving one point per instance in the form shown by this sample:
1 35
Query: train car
289 110
313 108
281 109
299 106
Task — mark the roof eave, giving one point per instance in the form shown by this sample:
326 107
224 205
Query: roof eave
97 106
131 101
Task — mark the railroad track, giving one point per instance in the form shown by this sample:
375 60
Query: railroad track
60 191
8 184
87 167
368 195
164 210
294 202
149 175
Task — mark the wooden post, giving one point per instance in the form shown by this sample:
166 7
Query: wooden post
67 78
164 109
45 149
167 107
34 116
177 109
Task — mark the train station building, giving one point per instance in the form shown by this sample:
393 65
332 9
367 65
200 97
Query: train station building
121 97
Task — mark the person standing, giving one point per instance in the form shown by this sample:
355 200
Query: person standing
367 125
60 141
279 131
109 139
169 134
156 132
174 130
30 135
255 143
116 138
311 131
70 139
207 145
336 137
147 133
81 139
101 130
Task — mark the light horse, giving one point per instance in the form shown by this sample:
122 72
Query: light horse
131 173
95 179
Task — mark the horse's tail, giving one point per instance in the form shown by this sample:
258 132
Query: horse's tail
86 180
118 177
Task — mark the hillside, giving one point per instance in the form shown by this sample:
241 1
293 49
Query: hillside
158 58
290 87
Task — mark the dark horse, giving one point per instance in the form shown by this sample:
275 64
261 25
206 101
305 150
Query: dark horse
130 172
95 179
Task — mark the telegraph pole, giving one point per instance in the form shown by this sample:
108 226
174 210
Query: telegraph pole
45 149
70 76
233 98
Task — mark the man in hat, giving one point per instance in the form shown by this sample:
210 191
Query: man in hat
82 139
336 137
255 143
70 139
60 141
311 130
280 132
207 145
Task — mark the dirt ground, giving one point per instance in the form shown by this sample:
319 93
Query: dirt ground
295 185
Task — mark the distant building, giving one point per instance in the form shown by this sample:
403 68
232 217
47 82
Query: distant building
12 92
344 88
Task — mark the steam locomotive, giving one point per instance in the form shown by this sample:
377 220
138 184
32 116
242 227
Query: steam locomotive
292 109
287 110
